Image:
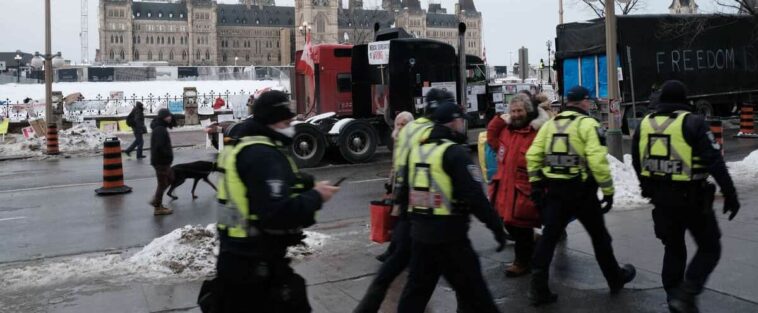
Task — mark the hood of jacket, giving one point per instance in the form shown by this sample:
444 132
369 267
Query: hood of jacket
440 132
159 122
536 124
671 107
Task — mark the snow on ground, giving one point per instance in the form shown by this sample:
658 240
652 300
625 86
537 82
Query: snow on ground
627 185
17 92
745 172
187 253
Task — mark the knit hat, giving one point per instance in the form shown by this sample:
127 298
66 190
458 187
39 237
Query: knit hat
434 98
578 93
673 91
272 107
446 112
163 113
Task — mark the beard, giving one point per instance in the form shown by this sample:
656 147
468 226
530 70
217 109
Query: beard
518 123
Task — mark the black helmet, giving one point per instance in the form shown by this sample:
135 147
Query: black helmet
436 97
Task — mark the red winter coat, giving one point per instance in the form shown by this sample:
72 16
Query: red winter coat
510 188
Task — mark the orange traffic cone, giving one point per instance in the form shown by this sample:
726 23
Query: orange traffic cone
113 172
52 139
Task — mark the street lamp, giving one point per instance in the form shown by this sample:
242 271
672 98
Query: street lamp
48 61
549 63
235 61
18 67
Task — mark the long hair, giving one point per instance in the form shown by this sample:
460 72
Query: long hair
401 120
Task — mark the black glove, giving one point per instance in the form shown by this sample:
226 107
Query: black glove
731 204
388 188
606 203
538 195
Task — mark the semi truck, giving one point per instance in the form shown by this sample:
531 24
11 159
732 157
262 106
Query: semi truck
716 56
349 103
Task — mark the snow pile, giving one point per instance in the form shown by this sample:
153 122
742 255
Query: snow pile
80 138
90 90
628 194
745 172
185 253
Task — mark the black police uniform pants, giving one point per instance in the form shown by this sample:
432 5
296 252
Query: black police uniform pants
671 222
247 284
391 268
458 264
524 247
566 200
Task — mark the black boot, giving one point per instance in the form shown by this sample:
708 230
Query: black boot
626 274
683 298
539 291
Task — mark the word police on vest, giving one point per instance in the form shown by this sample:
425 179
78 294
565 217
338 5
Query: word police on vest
663 166
562 160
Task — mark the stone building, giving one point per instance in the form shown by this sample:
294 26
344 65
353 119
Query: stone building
257 32
683 7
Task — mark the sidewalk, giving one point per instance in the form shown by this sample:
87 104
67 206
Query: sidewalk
339 274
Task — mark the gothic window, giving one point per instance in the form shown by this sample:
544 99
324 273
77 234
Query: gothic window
321 25
207 55
136 55
237 20
247 57
111 38
149 55
138 14
160 13
149 14
197 55
223 57
121 14
244 21
121 39
223 20
122 54
268 57
160 55
111 54
257 21
181 15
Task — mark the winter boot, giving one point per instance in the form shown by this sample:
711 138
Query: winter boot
626 274
683 298
539 291
161 210
516 269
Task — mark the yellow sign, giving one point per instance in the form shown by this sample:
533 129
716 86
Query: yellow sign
4 122
108 127
123 127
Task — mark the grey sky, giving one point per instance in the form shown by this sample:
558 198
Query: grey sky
508 24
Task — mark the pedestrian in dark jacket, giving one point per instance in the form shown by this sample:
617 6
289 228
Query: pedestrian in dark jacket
136 121
161 157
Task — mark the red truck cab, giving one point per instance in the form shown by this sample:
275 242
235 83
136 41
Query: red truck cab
333 82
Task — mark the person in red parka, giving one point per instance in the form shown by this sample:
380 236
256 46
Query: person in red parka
510 135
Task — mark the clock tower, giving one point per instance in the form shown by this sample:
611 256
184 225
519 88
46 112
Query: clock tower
321 18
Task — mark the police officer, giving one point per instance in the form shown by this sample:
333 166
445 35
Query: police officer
263 211
673 153
399 252
566 164
444 188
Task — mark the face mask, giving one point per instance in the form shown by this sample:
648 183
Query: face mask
289 131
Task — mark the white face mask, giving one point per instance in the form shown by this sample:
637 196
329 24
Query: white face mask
289 131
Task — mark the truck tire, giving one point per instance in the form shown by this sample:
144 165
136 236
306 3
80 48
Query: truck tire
357 142
308 145
704 108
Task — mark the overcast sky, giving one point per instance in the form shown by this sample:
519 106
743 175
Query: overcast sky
508 24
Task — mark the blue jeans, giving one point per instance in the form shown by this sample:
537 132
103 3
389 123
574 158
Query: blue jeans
137 143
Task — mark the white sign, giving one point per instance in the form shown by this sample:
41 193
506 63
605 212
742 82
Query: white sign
497 97
447 86
379 53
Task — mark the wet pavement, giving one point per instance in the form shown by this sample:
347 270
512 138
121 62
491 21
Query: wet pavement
48 212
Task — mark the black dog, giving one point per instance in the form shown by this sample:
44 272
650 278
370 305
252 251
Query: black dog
195 170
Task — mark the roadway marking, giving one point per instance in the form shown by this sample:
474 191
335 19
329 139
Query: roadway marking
12 218
367 180
66 186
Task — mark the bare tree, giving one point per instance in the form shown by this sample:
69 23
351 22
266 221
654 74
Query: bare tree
598 6
742 6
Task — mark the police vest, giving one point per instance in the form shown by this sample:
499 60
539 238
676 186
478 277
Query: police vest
431 189
664 153
234 216
411 135
564 158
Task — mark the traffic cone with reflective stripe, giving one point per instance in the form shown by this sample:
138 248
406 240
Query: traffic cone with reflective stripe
113 172
747 122
52 139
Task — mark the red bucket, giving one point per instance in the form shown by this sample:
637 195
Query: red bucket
381 221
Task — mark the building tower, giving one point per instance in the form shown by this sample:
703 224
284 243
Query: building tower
321 17
683 7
